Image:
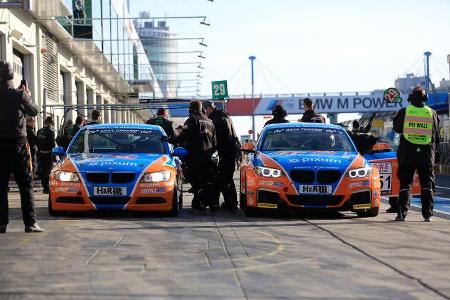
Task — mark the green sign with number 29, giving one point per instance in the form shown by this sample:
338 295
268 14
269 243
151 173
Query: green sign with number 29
220 90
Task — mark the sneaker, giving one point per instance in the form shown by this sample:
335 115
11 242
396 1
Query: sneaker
34 228
2 228
428 219
400 218
391 210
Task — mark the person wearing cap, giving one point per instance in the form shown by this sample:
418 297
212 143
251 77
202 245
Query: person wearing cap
418 126
310 116
199 138
45 143
279 115
15 107
162 120
228 148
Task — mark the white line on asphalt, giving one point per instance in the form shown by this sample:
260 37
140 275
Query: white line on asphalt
92 257
443 187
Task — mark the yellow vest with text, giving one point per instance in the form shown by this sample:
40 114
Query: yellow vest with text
418 125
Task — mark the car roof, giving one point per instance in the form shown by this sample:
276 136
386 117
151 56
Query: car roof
125 126
302 125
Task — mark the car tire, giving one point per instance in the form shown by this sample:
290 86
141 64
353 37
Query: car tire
370 213
180 197
51 211
175 211
251 212
242 201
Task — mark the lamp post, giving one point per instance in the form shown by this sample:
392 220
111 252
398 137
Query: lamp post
252 59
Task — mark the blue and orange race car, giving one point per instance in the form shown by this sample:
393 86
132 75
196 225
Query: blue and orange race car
117 167
308 166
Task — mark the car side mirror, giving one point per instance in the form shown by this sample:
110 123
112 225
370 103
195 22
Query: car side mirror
180 152
248 148
59 151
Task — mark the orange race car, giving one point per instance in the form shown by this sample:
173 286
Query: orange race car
306 166
117 167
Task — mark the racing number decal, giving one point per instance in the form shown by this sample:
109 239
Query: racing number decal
385 169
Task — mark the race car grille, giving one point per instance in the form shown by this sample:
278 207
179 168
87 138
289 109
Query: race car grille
70 200
151 200
361 198
328 176
268 197
98 177
313 200
122 177
110 201
302 176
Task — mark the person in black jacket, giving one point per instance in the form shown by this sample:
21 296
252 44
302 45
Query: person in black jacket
32 142
15 107
45 143
199 138
417 151
310 116
279 115
161 120
227 147
96 118
79 123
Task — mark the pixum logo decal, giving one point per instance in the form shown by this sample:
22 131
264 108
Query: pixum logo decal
321 160
127 157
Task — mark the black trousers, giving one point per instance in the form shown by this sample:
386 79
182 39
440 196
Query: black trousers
405 174
45 162
201 175
225 179
16 160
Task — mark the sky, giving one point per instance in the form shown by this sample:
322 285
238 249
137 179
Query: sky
309 46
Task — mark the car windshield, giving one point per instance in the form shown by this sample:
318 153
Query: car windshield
307 139
118 140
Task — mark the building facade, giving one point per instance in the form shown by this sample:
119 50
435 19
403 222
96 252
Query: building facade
77 56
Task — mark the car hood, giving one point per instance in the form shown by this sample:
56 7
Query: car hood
290 160
114 162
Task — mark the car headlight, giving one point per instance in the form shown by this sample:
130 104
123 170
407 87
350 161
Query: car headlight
67 176
268 172
360 173
156 176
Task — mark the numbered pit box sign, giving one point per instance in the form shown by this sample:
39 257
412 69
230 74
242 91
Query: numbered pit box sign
219 90
385 169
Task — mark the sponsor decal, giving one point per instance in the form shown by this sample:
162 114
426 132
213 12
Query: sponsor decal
146 185
110 191
154 191
315 189
113 163
267 205
358 184
321 160
271 183
251 201
71 190
362 206
69 184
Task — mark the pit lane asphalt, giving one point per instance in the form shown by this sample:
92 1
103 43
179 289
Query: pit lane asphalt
224 256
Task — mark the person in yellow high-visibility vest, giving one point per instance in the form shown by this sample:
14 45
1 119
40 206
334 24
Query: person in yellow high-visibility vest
418 125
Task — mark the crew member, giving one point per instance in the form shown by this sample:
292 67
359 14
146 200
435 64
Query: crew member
279 115
310 116
96 118
162 120
199 138
46 142
32 142
356 126
79 123
418 125
228 148
15 106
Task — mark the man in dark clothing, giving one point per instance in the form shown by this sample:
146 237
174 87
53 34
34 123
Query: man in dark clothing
419 128
279 115
161 120
199 138
45 143
228 148
32 142
96 118
15 106
356 126
79 123
310 116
